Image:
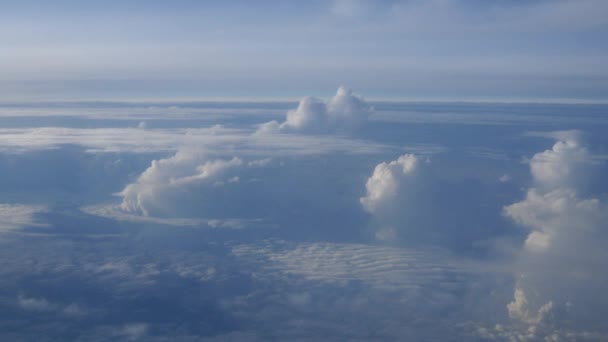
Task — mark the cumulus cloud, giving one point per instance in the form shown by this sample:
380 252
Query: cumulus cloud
519 309
384 183
193 188
344 111
391 193
409 201
554 211
564 250
558 166
186 171
555 215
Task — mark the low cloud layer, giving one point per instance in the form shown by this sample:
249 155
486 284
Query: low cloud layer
15 216
216 139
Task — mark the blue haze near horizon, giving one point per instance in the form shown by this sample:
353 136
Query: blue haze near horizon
425 50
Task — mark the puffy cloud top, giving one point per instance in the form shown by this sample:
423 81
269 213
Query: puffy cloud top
557 166
562 258
344 111
559 214
554 212
165 176
383 184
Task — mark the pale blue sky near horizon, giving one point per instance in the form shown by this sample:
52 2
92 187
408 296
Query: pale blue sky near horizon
399 50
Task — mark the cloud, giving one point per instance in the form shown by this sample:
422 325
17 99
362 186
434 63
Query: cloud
384 183
186 172
554 211
410 202
343 112
519 309
379 285
556 215
193 188
133 331
398 200
557 166
117 212
34 304
42 305
381 267
14 216
218 140
559 265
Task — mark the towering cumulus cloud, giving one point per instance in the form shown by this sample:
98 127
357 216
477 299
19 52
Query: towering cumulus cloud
392 191
343 112
384 183
561 277
560 165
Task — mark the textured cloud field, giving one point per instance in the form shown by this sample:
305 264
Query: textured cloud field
328 219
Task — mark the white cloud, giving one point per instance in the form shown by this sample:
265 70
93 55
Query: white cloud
34 304
558 214
343 112
382 267
14 216
519 309
384 183
399 198
186 170
504 178
554 212
560 264
410 202
133 331
116 212
557 166
310 116
41 305
217 139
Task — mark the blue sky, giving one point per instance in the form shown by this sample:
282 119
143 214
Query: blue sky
455 50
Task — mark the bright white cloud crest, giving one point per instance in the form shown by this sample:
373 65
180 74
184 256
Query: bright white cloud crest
176 174
557 166
343 112
383 184
567 236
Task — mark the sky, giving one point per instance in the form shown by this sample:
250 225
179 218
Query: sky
404 50
308 171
